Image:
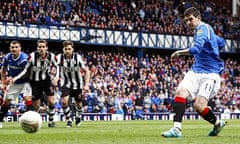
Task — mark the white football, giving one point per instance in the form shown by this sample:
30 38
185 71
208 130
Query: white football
30 121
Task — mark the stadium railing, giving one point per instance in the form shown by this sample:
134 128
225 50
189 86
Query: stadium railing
103 37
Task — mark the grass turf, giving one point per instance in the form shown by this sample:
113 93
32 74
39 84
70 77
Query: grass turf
120 132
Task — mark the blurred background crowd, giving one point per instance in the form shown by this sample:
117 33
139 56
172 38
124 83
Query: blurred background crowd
121 82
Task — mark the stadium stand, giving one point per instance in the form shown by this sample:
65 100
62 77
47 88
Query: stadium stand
136 15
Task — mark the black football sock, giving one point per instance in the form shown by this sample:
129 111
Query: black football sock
29 106
209 116
3 112
67 112
78 112
51 113
179 108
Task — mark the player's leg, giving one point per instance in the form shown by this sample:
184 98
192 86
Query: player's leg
77 94
27 95
10 94
3 111
65 106
179 107
36 94
185 88
202 108
201 105
49 91
78 116
29 103
51 111
36 103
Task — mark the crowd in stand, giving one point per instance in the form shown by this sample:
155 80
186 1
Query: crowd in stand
153 80
122 83
157 16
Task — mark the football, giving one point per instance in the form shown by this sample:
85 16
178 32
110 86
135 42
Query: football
30 121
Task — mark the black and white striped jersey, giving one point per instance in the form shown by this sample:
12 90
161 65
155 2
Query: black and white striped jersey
39 68
70 71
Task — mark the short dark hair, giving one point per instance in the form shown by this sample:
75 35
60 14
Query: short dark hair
15 42
192 11
42 41
67 42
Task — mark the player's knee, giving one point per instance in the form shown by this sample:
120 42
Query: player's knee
65 101
78 99
36 107
6 103
36 104
200 103
50 100
182 92
28 98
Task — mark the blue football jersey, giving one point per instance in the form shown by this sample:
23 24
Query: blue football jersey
15 66
206 50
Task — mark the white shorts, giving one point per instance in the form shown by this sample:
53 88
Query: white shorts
201 84
14 90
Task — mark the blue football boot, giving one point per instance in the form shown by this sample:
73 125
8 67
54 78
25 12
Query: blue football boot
217 128
172 133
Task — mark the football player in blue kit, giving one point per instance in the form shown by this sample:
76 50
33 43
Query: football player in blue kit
202 81
13 63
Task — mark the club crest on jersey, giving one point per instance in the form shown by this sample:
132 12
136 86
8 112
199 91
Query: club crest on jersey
199 32
46 63
73 62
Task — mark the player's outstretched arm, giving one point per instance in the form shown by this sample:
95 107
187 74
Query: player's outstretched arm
55 77
180 52
22 74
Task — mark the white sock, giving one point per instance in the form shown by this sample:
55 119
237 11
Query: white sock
217 122
178 125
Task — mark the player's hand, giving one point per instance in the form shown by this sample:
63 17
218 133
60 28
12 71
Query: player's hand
12 81
4 87
7 81
175 54
86 88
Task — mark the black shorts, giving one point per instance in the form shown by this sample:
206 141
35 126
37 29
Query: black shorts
76 93
38 87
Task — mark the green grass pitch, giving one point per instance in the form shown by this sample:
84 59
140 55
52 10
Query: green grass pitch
120 132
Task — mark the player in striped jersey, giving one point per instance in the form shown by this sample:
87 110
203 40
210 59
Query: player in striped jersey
39 66
71 65
13 64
